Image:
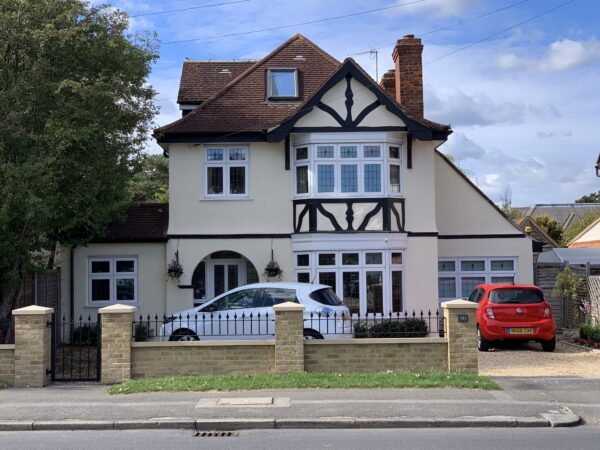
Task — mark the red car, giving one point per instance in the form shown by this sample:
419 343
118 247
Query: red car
513 312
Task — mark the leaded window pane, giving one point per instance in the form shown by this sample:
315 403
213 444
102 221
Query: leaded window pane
446 287
325 176
397 291
372 177
394 178
214 154
349 177
301 153
351 291
327 259
373 258
467 284
348 151
372 151
237 180
446 266
237 154
472 266
374 292
350 259
394 152
302 180
215 180
325 151
503 279
507 265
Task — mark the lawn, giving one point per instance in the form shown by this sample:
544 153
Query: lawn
312 380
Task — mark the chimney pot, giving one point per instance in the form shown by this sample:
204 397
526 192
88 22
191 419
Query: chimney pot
409 36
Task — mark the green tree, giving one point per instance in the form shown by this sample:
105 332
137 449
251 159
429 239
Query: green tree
506 207
594 197
578 226
75 107
150 182
550 226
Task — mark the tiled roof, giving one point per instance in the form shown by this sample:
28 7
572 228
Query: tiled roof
537 233
564 213
146 222
200 80
241 107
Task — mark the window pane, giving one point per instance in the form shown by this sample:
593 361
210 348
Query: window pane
374 292
350 259
327 259
396 291
237 300
215 180
237 154
446 266
503 279
125 289
372 177
125 265
394 178
372 151
373 258
303 277
302 260
349 178
326 181
351 291
396 258
100 266
283 83
301 153
214 154
302 180
348 151
395 152
100 290
507 265
467 284
324 151
472 266
446 287
237 180
327 278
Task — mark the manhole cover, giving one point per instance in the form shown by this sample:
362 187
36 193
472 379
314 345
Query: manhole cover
245 401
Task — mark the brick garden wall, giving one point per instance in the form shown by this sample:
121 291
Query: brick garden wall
376 355
157 359
7 364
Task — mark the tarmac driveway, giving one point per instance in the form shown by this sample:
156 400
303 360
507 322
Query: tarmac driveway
528 360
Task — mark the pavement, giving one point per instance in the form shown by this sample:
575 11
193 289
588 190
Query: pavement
523 402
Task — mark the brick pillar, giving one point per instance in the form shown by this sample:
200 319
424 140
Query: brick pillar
33 341
461 331
289 337
116 343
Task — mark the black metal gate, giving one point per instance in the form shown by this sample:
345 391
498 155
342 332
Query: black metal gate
76 349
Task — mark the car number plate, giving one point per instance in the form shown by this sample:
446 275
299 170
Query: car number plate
520 331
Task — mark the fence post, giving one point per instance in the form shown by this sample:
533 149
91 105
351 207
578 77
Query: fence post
461 329
32 345
289 337
116 330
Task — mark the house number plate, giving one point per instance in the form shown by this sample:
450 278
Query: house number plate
462 318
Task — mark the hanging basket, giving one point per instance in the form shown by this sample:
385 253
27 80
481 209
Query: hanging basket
272 270
175 269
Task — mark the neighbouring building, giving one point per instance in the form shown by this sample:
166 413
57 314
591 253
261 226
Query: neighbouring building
303 160
588 238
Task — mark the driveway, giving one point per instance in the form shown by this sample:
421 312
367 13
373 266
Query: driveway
528 360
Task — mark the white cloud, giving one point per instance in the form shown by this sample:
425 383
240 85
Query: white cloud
440 8
561 55
461 147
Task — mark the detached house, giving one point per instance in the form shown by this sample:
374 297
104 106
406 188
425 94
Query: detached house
309 162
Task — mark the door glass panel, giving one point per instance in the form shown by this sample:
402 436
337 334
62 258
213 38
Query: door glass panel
328 279
219 279
351 288
446 287
374 292
232 276
397 291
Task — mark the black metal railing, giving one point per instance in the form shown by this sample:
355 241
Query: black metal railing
76 349
191 327
375 325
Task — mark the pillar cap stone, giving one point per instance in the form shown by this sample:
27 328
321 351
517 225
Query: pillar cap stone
117 309
288 306
32 310
459 304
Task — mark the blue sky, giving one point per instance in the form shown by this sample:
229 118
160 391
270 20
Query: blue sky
524 104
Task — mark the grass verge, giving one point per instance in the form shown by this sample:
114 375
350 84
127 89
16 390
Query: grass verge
313 380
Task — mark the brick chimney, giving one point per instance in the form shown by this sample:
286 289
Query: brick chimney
409 74
388 83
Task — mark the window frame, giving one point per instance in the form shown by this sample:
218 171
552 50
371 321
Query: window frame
112 276
269 85
226 164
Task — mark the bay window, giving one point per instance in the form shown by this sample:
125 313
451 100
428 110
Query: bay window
226 172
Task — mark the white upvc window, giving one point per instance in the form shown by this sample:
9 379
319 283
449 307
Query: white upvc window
112 280
348 170
457 277
226 173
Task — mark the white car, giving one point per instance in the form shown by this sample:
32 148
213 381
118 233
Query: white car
247 313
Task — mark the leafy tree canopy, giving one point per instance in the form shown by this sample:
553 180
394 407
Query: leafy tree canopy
550 226
75 107
578 226
150 182
594 197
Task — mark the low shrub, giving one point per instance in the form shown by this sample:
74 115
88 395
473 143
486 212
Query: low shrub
390 328
590 330
143 332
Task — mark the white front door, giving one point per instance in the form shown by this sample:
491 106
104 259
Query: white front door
224 275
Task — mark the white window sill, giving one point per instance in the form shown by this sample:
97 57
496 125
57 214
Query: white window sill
227 199
99 304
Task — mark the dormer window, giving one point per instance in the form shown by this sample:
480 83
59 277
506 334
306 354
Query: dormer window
282 84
